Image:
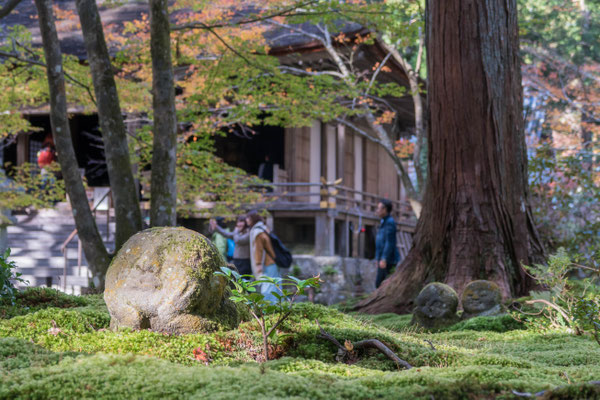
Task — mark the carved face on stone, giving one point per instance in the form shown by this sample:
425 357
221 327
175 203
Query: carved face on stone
480 296
436 301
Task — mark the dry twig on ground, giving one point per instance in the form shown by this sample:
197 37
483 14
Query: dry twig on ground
348 352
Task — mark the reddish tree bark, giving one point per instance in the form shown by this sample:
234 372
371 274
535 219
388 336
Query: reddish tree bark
476 221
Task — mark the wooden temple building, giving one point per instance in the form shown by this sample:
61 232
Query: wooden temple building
327 179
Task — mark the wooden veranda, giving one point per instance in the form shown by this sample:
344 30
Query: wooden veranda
344 218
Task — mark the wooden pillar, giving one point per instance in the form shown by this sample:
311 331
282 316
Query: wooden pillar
270 222
22 148
354 237
345 238
331 152
315 160
324 234
340 153
361 244
358 166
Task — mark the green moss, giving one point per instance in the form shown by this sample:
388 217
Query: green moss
502 323
189 244
33 325
126 376
34 299
19 353
466 363
391 321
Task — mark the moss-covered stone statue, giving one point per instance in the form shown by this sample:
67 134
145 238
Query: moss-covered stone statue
481 299
162 279
435 307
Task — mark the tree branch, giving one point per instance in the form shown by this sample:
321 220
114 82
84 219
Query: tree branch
379 68
8 7
358 130
41 64
376 344
300 71
413 80
347 351
283 13
551 305
296 29
420 52
554 59
541 87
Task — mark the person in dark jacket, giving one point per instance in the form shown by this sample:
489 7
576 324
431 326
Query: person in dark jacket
386 251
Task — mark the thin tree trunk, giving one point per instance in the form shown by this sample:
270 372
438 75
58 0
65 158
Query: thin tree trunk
476 221
94 249
127 207
163 183
415 92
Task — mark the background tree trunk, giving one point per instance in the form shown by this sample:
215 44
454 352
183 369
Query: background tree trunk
94 249
163 194
124 192
476 221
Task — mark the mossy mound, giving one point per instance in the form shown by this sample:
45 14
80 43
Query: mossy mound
37 361
163 279
19 353
501 323
38 298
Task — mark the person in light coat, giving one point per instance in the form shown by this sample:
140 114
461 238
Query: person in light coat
262 255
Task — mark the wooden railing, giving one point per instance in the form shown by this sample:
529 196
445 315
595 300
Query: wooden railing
333 195
72 235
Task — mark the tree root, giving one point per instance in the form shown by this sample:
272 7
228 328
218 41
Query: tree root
348 352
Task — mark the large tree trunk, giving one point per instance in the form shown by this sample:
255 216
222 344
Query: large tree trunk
127 207
163 195
94 249
476 221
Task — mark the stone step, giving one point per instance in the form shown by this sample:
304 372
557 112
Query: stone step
36 239
28 262
22 247
72 270
51 228
44 237
74 283
44 253
40 253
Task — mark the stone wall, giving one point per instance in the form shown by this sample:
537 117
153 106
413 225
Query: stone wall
344 278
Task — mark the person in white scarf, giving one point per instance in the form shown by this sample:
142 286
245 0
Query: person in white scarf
262 256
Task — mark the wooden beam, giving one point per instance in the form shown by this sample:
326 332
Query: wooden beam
324 235
341 152
22 148
315 158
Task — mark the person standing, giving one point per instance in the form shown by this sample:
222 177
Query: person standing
262 255
386 251
241 238
265 169
217 238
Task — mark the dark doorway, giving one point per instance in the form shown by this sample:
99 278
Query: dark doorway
248 151
87 141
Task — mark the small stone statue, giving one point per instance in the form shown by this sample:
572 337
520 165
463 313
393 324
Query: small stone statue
435 306
481 298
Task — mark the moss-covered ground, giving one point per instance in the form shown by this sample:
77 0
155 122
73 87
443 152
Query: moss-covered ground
58 346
